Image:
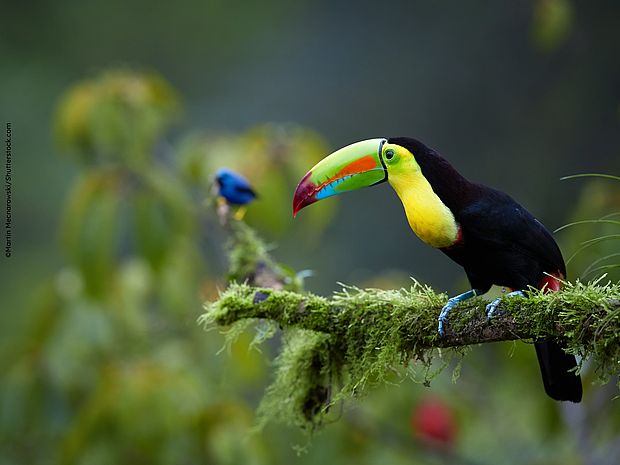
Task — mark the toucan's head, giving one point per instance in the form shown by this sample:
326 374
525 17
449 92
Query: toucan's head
362 164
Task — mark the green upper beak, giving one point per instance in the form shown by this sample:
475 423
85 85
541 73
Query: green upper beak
352 167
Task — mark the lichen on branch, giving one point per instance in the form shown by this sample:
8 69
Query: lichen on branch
335 347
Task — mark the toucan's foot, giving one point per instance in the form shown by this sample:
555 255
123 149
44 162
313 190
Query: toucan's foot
452 302
443 316
492 307
495 303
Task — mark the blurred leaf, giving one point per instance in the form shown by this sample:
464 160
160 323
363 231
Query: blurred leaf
591 175
116 116
552 23
129 298
84 333
161 212
90 227
177 284
72 127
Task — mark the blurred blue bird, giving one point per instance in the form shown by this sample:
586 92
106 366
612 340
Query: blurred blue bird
233 187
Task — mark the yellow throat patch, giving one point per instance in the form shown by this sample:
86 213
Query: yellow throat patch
428 216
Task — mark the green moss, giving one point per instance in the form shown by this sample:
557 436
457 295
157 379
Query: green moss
246 252
302 400
334 349
250 261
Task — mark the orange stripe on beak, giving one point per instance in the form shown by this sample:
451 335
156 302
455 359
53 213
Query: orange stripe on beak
358 166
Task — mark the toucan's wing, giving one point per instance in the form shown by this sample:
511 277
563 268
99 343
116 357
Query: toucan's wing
497 220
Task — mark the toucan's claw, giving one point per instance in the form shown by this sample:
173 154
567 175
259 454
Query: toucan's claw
492 307
495 303
452 302
443 316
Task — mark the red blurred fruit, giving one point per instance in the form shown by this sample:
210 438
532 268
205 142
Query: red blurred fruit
433 423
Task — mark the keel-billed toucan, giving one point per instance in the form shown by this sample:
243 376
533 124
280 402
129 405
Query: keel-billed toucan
496 240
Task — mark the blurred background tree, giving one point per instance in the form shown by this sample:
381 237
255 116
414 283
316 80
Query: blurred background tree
114 251
112 353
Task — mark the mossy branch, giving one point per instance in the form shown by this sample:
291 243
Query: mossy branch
333 348
360 335
541 315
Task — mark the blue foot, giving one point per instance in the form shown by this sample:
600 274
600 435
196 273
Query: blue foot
443 316
495 303
452 302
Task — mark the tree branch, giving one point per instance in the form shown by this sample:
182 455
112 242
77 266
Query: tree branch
334 347
338 345
581 309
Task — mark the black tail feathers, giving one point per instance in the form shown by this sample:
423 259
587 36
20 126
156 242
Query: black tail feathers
555 365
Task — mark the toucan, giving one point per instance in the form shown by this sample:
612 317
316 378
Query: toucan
495 239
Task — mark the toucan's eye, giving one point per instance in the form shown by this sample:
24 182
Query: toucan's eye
389 154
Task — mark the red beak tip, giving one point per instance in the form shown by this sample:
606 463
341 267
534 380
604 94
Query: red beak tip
304 194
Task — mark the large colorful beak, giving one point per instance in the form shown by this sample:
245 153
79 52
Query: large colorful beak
352 167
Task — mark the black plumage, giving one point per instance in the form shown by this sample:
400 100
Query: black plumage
500 243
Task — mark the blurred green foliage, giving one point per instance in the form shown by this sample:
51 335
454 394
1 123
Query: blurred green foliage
117 117
274 157
592 242
552 23
113 367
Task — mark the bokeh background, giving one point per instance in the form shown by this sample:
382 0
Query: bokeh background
120 114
